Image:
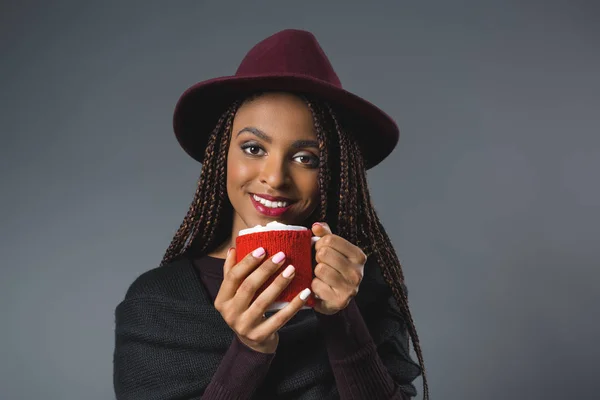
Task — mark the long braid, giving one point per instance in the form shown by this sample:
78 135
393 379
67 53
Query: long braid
179 241
357 210
219 196
392 271
205 188
348 207
210 190
322 138
354 215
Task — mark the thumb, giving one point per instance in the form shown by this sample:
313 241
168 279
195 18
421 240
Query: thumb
321 229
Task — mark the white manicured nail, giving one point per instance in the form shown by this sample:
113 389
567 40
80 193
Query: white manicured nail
304 294
288 271
258 252
277 258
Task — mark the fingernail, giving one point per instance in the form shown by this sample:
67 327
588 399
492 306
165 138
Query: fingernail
318 223
258 252
288 271
277 258
229 251
304 294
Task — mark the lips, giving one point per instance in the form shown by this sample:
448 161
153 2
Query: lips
270 211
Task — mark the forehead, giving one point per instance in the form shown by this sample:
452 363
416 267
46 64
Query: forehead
280 115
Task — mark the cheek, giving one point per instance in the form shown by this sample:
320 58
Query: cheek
316 192
238 172
311 188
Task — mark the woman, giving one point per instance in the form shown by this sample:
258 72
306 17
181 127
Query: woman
281 140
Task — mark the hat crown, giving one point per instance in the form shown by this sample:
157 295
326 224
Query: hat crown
292 61
290 52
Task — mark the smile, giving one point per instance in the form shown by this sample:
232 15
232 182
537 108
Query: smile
270 204
268 207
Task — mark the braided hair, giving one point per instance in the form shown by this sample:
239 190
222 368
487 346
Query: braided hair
345 205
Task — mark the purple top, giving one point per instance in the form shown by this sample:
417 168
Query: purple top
358 369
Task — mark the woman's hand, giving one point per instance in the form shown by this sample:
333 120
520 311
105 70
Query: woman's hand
246 317
339 270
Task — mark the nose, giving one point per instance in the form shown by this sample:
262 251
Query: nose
274 172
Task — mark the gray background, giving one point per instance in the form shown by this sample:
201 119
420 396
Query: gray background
492 198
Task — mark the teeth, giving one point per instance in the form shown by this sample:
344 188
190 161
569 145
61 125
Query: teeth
270 204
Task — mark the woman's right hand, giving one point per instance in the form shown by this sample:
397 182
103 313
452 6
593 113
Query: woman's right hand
246 317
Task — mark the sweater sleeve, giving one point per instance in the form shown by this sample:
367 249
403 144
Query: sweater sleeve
240 373
359 371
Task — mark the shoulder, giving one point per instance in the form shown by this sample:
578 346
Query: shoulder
174 279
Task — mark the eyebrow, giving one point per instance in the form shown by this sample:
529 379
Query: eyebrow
298 144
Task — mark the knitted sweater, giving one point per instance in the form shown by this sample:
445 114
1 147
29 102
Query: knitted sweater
171 343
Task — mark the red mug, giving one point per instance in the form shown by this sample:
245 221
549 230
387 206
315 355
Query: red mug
295 242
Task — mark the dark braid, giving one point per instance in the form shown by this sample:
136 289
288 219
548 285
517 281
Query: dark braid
210 197
350 214
324 177
356 211
351 162
215 203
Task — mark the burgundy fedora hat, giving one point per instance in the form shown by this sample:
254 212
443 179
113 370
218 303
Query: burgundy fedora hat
293 61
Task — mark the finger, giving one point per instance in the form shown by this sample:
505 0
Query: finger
281 317
238 272
352 273
330 276
260 305
229 261
344 247
330 255
247 290
323 290
222 294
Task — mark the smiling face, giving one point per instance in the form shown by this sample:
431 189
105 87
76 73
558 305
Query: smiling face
273 162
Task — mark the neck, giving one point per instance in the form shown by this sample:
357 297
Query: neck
223 248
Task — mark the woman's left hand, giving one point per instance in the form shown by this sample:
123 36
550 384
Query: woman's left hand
338 273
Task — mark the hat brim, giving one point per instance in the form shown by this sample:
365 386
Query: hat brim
200 107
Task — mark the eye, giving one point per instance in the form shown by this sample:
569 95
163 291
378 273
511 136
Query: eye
252 149
308 160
